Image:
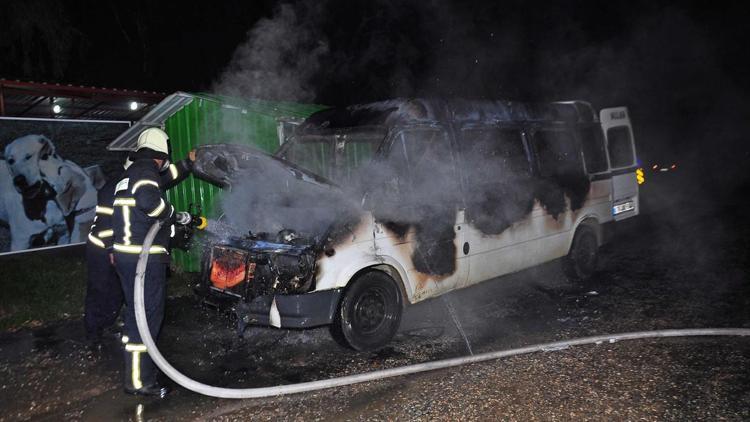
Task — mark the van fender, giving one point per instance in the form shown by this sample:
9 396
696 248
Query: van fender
384 263
590 220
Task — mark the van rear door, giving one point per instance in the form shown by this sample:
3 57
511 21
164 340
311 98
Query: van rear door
622 161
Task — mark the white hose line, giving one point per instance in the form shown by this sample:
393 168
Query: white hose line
246 393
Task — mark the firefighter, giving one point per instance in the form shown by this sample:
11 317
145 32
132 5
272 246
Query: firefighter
103 291
104 296
140 200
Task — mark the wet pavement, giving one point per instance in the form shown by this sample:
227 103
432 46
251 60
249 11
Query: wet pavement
682 265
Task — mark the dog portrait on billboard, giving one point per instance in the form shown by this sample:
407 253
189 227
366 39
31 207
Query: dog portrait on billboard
47 199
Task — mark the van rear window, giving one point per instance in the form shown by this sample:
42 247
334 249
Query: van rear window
594 152
620 146
556 153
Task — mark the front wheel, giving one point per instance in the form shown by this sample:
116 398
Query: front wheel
580 263
369 313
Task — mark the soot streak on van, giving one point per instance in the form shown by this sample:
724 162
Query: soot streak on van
427 206
366 208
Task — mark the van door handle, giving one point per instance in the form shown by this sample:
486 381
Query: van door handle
466 248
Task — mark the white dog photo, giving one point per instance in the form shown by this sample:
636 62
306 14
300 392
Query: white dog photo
44 199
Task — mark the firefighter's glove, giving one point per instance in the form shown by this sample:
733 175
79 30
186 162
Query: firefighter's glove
183 218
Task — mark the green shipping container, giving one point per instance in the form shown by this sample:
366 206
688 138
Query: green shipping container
192 120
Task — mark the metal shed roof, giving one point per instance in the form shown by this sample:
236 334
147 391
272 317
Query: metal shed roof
158 114
38 99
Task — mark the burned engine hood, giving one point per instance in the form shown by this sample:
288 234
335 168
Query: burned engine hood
265 195
228 165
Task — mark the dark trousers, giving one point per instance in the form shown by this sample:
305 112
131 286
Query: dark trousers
103 292
139 369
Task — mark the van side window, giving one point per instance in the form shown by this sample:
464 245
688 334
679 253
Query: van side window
499 189
359 149
620 146
425 158
594 153
337 157
490 154
556 153
315 155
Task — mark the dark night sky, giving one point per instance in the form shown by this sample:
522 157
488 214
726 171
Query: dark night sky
680 68
490 47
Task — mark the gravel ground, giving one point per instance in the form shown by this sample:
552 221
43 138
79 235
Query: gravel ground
671 270
690 379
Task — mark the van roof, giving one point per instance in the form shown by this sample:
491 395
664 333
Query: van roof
419 110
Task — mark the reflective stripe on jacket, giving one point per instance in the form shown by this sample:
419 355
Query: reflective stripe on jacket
101 233
140 199
175 174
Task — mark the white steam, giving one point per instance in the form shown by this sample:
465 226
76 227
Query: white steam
280 57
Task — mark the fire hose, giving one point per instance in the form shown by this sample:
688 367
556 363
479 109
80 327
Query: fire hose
246 393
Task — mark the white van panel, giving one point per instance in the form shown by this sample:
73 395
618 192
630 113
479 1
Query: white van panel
351 255
536 239
371 244
422 285
532 241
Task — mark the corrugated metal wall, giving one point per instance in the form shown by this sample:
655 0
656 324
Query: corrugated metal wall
209 120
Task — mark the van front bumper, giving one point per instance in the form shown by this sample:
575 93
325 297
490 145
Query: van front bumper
296 311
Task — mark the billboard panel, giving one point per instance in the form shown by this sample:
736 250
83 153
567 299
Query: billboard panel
50 170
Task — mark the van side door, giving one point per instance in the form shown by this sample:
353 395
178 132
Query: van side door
499 198
622 160
417 216
563 186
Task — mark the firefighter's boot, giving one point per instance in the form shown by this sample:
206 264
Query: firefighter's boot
141 373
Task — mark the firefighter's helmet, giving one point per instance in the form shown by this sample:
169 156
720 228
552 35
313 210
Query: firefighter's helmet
154 139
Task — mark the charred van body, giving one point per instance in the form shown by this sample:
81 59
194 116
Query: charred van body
368 207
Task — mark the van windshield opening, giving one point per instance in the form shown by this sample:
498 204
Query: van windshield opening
335 156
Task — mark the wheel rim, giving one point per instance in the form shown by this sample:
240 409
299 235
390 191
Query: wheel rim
369 311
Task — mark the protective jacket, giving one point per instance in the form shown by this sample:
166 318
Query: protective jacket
103 290
176 173
101 233
140 199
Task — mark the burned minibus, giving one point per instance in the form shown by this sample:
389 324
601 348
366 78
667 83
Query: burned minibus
369 208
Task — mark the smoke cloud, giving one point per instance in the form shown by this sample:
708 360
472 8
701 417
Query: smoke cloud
414 190
655 60
279 58
667 65
264 196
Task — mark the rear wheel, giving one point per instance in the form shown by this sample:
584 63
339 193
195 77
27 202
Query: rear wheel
369 314
580 263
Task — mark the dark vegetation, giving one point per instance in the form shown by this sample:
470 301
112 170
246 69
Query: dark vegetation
37 288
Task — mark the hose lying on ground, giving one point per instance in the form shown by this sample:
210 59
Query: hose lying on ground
245 393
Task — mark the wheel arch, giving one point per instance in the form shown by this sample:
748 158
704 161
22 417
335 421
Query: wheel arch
591 222
388 270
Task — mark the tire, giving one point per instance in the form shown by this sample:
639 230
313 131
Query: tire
580 263
369 314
